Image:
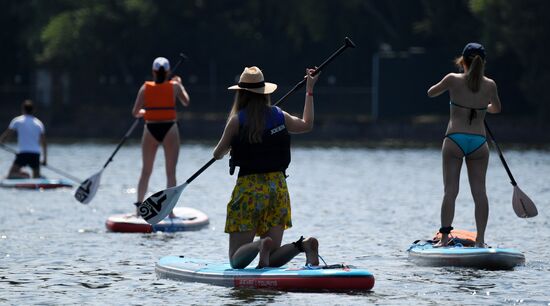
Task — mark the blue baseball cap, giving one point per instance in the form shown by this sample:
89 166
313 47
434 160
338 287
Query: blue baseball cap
472 49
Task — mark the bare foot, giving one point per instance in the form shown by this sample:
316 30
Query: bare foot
266 245
480 243
311 247
443 242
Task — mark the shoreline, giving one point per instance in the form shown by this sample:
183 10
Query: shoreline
305 143
342 130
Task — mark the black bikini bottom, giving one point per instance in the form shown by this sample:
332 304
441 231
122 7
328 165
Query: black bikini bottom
159 129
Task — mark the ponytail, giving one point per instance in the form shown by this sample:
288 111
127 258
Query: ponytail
476 70
475 73
160 75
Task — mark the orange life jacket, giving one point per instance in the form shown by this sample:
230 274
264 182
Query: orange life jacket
159 104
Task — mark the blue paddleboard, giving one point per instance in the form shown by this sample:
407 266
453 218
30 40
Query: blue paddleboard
330 278
424 253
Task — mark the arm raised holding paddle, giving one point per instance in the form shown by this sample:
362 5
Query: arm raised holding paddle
157 207
258 136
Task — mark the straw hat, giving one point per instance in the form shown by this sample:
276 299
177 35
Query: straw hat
252 79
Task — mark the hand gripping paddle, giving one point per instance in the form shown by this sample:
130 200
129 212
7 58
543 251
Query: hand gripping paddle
156 207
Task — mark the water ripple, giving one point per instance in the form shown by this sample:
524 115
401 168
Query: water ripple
365 205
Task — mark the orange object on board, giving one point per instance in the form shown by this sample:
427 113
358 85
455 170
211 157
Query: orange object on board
460 234
159 102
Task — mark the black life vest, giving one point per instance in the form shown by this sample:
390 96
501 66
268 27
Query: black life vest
270 155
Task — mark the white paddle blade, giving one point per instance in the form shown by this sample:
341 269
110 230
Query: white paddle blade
158 206
86 191
522 204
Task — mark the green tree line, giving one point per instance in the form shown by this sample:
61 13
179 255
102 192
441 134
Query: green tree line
120 37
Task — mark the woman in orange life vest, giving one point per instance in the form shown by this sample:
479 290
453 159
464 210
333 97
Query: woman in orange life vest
258 136
156 103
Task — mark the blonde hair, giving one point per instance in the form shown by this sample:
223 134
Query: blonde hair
256 106
476 70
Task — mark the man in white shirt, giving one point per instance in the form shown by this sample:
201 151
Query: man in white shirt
30 137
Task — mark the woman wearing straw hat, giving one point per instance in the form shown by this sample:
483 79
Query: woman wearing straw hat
472 95
258 136
156 103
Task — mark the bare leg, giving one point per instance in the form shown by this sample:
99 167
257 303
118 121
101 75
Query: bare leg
242 249
280 255
311 247
477 169
452 162
283 254
15 172
148 149
36 172
171 145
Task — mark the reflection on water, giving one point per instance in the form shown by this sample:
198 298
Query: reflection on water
247 296
366 206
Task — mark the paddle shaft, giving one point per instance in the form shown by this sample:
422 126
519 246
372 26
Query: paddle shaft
348 43
132 128
182 58
128 133
512 180
67 175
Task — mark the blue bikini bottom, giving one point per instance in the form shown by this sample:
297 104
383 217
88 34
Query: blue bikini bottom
468 143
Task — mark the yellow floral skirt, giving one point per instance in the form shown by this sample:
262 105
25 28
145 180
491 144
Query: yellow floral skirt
258 203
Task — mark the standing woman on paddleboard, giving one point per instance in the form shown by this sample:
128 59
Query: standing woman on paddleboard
30 140
156 103
258 136
472 96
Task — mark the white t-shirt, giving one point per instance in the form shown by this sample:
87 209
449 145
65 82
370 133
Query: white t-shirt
29 129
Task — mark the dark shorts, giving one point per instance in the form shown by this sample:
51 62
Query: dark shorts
27 159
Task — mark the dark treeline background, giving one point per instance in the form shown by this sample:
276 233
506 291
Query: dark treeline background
82 62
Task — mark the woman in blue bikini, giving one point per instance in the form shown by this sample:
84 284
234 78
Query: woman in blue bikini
472 96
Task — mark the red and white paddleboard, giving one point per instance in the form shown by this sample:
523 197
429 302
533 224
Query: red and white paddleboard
35 183
187 219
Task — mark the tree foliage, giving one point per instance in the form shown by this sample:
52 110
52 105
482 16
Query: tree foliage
91 38
521 28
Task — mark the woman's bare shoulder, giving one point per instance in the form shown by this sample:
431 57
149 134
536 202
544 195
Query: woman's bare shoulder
490 83
455 76
489 80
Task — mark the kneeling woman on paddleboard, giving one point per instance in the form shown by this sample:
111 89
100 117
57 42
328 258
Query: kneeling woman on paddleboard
156 103
472 96
258 136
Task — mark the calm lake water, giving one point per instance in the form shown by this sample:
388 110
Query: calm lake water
365 205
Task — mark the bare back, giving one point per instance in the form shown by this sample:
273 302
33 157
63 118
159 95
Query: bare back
468 108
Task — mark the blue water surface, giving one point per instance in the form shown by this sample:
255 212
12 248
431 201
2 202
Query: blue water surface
365 206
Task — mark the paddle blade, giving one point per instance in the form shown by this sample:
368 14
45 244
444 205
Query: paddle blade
86 191
158 206
522 204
